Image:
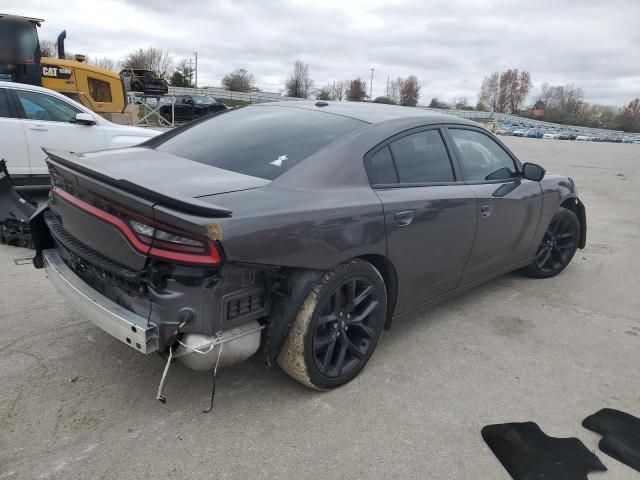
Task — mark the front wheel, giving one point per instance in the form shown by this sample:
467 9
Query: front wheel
337 328
558 246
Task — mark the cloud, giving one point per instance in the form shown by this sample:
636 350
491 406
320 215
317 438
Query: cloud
449 46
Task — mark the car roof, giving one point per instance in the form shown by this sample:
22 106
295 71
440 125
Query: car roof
371 112
33 88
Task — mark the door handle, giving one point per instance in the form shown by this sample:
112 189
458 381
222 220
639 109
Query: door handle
486 210
403 219
41 128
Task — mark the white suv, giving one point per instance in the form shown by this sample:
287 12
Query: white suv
33 117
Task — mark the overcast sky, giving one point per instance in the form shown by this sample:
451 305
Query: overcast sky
449 45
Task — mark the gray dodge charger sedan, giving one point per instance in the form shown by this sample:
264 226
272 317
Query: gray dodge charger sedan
297 231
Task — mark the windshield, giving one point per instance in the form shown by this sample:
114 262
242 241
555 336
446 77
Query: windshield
18 41
261 141
202 99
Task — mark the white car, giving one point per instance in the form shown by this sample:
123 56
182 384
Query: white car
584 138
34 117
550 135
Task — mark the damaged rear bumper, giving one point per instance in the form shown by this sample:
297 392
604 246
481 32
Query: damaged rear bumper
124 325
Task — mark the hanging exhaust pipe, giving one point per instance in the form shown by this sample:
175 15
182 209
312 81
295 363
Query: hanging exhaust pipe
61 37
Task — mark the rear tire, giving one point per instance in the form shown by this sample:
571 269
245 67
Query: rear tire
337 328
558 246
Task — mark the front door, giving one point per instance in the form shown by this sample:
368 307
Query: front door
430 216
13 144
49 122
509 206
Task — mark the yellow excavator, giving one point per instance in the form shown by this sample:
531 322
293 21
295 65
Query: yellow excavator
101 90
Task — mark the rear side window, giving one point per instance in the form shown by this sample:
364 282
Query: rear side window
422 158
261 141
4 104
380 168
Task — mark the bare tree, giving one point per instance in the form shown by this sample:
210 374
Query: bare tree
325 93
410 91
490 92
48 48
154 59
338 90
461 103
514 88
505 92
240 80
394 89
299 83
357 90
182 76
104 62
629 119
560 102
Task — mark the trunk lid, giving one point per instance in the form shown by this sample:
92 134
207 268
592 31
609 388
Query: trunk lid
135 183
157 176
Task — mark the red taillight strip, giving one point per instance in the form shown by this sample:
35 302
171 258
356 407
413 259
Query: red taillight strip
212 259
107 217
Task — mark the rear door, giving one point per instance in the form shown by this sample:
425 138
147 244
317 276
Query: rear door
430 214
509 206
13 144
49 122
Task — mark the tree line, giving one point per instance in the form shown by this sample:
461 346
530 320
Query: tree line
502 92
506 92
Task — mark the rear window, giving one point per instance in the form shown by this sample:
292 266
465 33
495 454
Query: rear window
262 141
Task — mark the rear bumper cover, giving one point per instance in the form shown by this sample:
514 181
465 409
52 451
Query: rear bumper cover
124 325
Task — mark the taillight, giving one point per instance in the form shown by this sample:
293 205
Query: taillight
150 237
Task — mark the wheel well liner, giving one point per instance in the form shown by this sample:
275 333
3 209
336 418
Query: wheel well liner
294 287
577 207
390 277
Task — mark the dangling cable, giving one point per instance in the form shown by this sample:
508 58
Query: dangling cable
213 378
160 397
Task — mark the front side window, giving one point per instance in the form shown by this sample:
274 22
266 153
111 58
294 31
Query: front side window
38 106
482 158
422 158
99 90
262 141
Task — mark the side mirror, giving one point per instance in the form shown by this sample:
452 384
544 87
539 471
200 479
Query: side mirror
534 172
85 119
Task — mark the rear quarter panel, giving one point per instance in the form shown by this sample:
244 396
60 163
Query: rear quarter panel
301 228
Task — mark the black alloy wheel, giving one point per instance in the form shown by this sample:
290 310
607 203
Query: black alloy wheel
346 327
558 246
337 328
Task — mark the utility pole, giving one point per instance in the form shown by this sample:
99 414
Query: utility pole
190 72
196 54
387 94
371 86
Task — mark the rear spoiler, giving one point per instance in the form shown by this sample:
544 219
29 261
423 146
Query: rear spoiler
192 206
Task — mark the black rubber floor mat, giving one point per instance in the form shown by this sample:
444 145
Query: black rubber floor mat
620 435
527 453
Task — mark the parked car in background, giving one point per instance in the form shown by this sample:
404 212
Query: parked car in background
534 133
550 135
34 117
504 130
519 132
143 81
190 107
299 230
584 138
564 135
